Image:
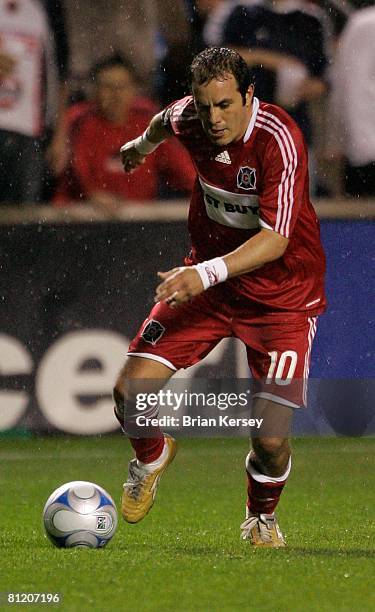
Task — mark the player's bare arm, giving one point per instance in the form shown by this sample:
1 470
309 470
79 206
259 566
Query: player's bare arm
264 247
181 284
133 153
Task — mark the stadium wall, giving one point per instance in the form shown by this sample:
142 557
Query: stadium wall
75 287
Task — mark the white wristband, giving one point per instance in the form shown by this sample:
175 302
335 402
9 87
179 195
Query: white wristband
212 272
143 145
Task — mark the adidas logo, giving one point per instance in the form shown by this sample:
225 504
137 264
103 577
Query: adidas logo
223 158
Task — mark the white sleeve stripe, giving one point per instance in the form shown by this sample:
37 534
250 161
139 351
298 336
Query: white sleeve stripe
180 107
284 174
281 126
288 151
284 187
288 214
283 202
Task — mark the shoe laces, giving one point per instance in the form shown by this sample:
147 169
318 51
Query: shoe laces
265 524
136 479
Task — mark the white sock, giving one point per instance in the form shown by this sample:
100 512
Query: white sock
262 477
150 467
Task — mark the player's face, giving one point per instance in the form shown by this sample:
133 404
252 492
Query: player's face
221 109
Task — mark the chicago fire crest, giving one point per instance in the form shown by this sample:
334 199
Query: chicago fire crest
153 331
246 178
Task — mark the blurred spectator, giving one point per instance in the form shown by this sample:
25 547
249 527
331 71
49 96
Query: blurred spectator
285 44
99 128
175 36
33 63
98 28
208 18
353 102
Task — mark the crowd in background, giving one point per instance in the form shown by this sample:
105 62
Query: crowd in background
79 79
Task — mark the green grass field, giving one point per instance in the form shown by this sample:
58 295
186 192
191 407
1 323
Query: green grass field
186 554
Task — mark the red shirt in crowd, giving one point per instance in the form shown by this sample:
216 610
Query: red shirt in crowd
96 164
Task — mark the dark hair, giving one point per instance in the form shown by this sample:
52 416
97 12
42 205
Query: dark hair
116 59
218 62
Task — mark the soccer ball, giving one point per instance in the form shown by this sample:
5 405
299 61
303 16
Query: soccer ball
80 514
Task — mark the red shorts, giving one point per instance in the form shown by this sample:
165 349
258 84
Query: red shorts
278 352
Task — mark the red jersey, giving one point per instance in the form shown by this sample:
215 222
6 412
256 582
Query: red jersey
259 181
96 162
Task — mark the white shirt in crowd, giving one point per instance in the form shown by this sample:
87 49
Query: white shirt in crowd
353 77
26 38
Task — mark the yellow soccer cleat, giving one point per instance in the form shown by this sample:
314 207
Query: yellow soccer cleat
140 488
262 531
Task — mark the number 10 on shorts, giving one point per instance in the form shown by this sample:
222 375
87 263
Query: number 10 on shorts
282 367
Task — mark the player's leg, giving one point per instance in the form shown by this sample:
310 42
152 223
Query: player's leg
270 453
267 468
279 357
153 450
140 375
168 340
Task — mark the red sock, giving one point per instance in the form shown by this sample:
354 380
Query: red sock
148 449
263 497
263 492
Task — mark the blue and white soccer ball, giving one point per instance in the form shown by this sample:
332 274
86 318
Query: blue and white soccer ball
80 514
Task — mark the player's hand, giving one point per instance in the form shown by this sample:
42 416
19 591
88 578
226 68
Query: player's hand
179 286
130 157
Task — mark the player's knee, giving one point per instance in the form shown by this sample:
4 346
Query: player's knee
268 447
124 394
119 399
125 410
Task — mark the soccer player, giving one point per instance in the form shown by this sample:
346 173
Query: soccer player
255 272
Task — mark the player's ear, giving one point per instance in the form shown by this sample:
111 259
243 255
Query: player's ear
249 95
